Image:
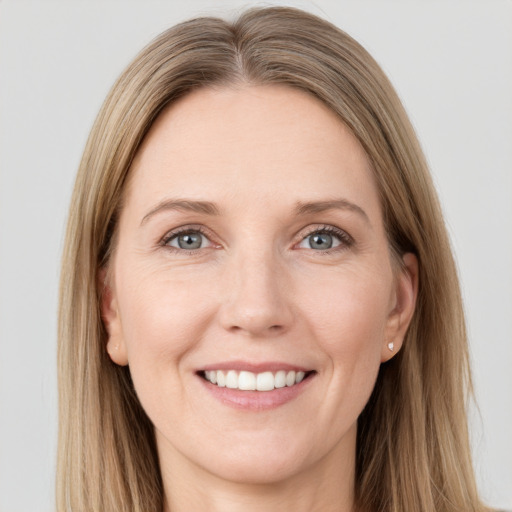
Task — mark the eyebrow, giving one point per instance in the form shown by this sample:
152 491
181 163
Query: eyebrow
185 205
333 204
209 208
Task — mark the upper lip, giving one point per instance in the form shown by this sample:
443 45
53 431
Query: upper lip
267 366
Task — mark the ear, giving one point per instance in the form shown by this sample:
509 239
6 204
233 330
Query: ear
406 292
110 315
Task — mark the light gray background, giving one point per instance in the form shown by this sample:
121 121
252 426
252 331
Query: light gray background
451 62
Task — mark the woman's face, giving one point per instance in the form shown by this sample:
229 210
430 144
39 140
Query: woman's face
252 253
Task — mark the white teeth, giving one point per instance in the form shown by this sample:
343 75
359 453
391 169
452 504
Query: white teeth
232 379
211 376
249 381
221 379
265 381
280 379
290 378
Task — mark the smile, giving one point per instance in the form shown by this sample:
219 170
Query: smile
256 387
249 381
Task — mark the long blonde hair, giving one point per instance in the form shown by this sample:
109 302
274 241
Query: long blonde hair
412 449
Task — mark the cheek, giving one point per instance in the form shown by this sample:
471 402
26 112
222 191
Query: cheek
162 321
345 312
348 311
163 314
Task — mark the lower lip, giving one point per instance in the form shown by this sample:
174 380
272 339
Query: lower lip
256 400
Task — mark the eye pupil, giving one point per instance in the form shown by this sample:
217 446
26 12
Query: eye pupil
190 241
320 241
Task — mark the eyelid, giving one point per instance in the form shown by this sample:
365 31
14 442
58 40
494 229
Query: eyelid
187 228
345 239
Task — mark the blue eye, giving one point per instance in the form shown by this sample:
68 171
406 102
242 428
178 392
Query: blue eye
321 241
188 241
325 239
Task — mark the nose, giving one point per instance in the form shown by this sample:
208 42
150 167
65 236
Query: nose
256 296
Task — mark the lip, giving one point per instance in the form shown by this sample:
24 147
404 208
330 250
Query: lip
268 366
255 400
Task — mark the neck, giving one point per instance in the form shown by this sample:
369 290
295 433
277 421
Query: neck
327 486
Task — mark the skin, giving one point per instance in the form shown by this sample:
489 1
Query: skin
256 290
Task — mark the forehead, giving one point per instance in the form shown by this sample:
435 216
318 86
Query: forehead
255 143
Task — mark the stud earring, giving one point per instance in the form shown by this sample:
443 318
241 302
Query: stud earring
391 346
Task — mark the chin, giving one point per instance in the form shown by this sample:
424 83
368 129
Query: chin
263 457
245 469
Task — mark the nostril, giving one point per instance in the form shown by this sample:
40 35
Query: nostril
258 312
256 329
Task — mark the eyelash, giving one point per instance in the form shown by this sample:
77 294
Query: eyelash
346 241
183 231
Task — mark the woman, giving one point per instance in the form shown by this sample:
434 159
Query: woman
259 305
